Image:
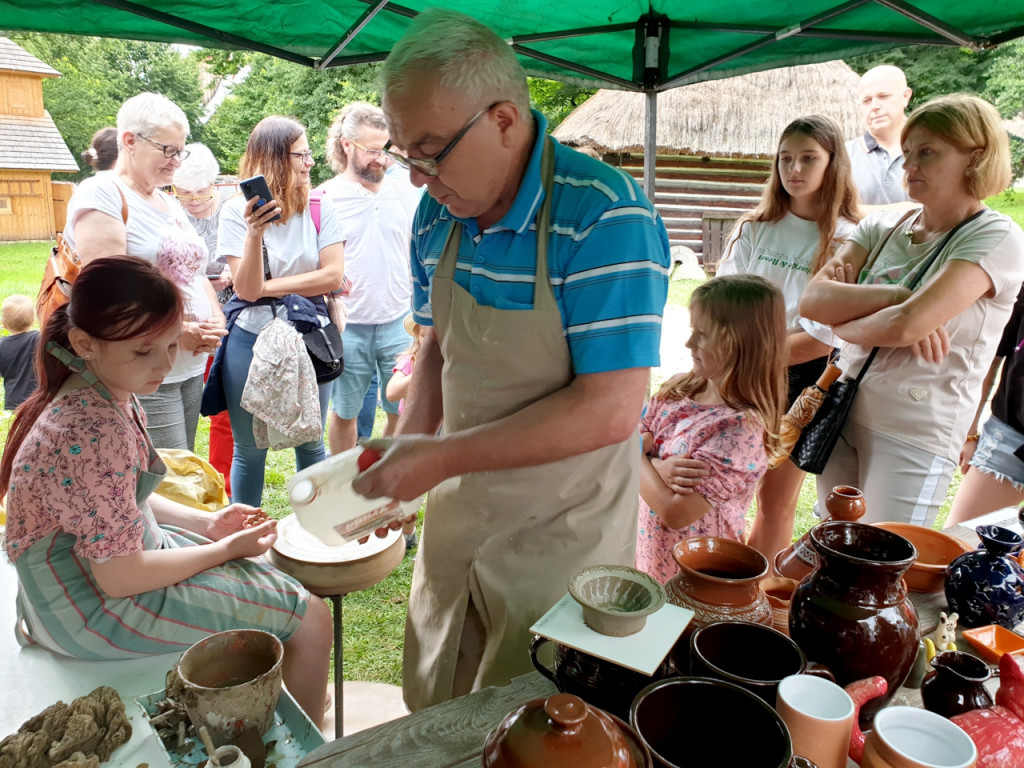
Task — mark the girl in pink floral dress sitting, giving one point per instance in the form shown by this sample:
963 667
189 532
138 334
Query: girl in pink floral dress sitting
724 412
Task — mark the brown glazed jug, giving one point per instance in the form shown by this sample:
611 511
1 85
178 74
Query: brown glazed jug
852 613
718 579
797 560
956 684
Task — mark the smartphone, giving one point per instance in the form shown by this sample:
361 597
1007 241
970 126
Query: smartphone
257 187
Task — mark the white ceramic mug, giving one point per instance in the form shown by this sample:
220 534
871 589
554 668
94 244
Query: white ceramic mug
908 737
819 715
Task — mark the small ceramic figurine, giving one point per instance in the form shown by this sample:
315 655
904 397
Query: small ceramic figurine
944 636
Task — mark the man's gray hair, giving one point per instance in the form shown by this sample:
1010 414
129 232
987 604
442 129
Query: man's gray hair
148 113
197 171
468 57
349 124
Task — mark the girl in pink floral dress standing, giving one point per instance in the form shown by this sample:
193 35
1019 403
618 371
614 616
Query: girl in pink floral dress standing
725 412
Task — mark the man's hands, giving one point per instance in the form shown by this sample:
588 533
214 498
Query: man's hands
409 467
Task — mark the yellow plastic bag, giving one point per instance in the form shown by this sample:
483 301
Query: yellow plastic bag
192 481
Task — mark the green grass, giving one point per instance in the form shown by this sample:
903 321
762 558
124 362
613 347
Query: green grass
1010 202
22 265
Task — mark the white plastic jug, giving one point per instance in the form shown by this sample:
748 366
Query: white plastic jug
326 506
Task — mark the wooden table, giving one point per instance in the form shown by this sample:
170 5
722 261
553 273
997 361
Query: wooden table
452 734
448 735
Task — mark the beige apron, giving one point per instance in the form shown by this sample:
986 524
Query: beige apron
508 540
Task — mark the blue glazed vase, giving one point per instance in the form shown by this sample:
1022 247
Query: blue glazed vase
986 586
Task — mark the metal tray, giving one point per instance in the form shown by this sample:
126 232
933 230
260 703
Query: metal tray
291 736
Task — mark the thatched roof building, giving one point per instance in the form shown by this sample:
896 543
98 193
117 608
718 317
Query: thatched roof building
736 117
715 140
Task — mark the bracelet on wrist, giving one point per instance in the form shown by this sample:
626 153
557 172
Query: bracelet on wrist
973 438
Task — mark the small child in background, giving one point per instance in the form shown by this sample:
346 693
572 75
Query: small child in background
398 387
724 412
18 351
398 384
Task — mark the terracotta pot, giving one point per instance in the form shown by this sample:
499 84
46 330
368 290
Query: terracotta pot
852 613
796 561
600 683
779 591
562 730
956 685
718 579
696 721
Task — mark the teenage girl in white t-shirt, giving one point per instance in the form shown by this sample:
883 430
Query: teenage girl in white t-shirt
808 208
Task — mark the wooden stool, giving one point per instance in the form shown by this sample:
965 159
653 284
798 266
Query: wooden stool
333 572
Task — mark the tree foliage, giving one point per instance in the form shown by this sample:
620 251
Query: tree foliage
99 74
278 87
556 99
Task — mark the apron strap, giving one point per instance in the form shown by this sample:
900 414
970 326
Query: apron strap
543 293
77 365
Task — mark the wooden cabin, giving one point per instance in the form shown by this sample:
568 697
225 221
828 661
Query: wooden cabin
31 148
715 141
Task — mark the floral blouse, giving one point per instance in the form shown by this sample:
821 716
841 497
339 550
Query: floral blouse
731 443
76 471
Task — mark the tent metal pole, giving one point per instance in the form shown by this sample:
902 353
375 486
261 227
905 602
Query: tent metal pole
650 143
354 30
931 23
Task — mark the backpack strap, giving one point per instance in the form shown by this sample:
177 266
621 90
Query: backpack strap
315 197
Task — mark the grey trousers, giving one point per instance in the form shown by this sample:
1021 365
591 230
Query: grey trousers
172 413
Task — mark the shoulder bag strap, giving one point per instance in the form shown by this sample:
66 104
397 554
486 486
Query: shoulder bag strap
920 275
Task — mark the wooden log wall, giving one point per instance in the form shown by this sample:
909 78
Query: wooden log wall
691 192
26 210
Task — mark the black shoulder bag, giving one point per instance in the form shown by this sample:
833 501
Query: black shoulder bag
819 438
322 343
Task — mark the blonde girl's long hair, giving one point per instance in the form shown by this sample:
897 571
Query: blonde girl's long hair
837 196
746 318
268 152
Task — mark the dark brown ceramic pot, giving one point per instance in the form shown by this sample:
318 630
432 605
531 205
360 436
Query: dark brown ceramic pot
563 730
600 683
797 560
956 684
718 579
852 613
697 721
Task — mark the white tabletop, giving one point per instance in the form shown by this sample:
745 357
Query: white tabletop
33 679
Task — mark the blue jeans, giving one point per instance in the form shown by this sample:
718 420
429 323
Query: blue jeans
369 349
368 413
249 462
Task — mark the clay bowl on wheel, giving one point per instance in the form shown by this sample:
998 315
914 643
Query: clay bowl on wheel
616 599
935 551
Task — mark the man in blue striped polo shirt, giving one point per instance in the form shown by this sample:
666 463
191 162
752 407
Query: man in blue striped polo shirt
534 361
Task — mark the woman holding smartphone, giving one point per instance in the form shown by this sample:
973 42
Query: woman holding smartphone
302 259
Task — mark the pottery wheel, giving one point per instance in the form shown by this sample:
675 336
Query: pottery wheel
326 570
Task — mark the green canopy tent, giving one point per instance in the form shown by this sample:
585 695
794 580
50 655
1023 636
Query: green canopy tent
626 44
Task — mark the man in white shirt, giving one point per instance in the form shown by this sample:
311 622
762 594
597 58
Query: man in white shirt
877 157
377 226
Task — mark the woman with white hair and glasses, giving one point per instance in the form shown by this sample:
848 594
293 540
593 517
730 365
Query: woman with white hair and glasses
194 189
125 211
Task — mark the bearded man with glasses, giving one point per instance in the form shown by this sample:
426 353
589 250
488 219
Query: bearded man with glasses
540 277
376 227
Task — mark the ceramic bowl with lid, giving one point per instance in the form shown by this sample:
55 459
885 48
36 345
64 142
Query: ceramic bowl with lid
616 599
563 730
